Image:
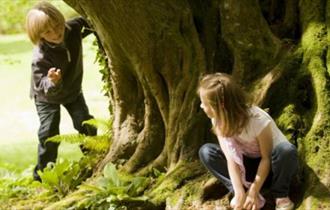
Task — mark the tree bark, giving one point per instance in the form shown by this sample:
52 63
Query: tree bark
159 49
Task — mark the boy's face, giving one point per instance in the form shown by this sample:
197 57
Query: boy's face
54 34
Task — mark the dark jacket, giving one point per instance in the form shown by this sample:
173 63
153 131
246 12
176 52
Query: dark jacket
67 57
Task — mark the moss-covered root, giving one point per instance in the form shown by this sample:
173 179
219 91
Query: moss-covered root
205 193
69 201
316 191
23 204
175 179
76 199
202 192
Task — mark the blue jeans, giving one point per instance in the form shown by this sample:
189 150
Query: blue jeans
284 165
49 116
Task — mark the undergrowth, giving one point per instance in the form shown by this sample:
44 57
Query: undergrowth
111 189
58 179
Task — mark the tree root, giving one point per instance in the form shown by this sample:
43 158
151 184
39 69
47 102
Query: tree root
180 176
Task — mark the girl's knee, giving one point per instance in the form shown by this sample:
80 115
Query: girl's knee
286 149
206 150
286 154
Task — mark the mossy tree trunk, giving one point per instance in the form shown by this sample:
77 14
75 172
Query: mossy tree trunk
158 50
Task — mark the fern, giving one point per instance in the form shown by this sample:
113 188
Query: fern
105 126
98 144
69 138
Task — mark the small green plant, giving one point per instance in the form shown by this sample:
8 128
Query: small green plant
65 176
121 185
61 177
114 189
157 174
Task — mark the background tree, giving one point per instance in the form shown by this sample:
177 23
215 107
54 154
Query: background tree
157 51
12 14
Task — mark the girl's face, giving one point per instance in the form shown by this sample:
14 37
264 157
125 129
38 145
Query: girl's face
54 34
206 107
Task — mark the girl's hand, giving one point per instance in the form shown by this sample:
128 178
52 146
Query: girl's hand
238 200
251 201
54 75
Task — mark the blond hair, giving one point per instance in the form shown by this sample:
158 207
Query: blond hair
228 102
40 18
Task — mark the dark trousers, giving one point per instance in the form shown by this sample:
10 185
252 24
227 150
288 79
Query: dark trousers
49 116
284 165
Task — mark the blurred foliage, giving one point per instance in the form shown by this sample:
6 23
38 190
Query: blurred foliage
13 13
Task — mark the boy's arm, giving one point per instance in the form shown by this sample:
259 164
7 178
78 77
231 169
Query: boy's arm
266 144
85 26
41 81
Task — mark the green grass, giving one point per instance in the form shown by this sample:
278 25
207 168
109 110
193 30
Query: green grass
19 121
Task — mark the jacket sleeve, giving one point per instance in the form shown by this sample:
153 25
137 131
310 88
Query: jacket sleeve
41 83
85 27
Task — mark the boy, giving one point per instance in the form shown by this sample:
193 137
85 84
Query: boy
56 78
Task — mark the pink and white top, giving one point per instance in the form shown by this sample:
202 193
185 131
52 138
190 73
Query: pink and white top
236 154
246 142
247 139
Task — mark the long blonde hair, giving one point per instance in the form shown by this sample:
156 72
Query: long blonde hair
42 16
228 102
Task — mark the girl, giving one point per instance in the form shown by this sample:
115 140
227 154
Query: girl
252 152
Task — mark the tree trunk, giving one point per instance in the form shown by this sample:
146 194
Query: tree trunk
159 49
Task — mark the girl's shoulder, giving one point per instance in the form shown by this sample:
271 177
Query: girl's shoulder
258 113
258 120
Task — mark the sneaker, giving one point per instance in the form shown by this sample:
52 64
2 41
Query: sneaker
284 204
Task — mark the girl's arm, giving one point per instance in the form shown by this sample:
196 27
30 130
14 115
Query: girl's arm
235 177
266 144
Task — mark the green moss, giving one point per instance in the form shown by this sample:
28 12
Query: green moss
316 191
303 107
289 120
186 195
314 38
175 180
291 85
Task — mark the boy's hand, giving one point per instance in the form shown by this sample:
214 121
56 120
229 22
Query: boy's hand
54 75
